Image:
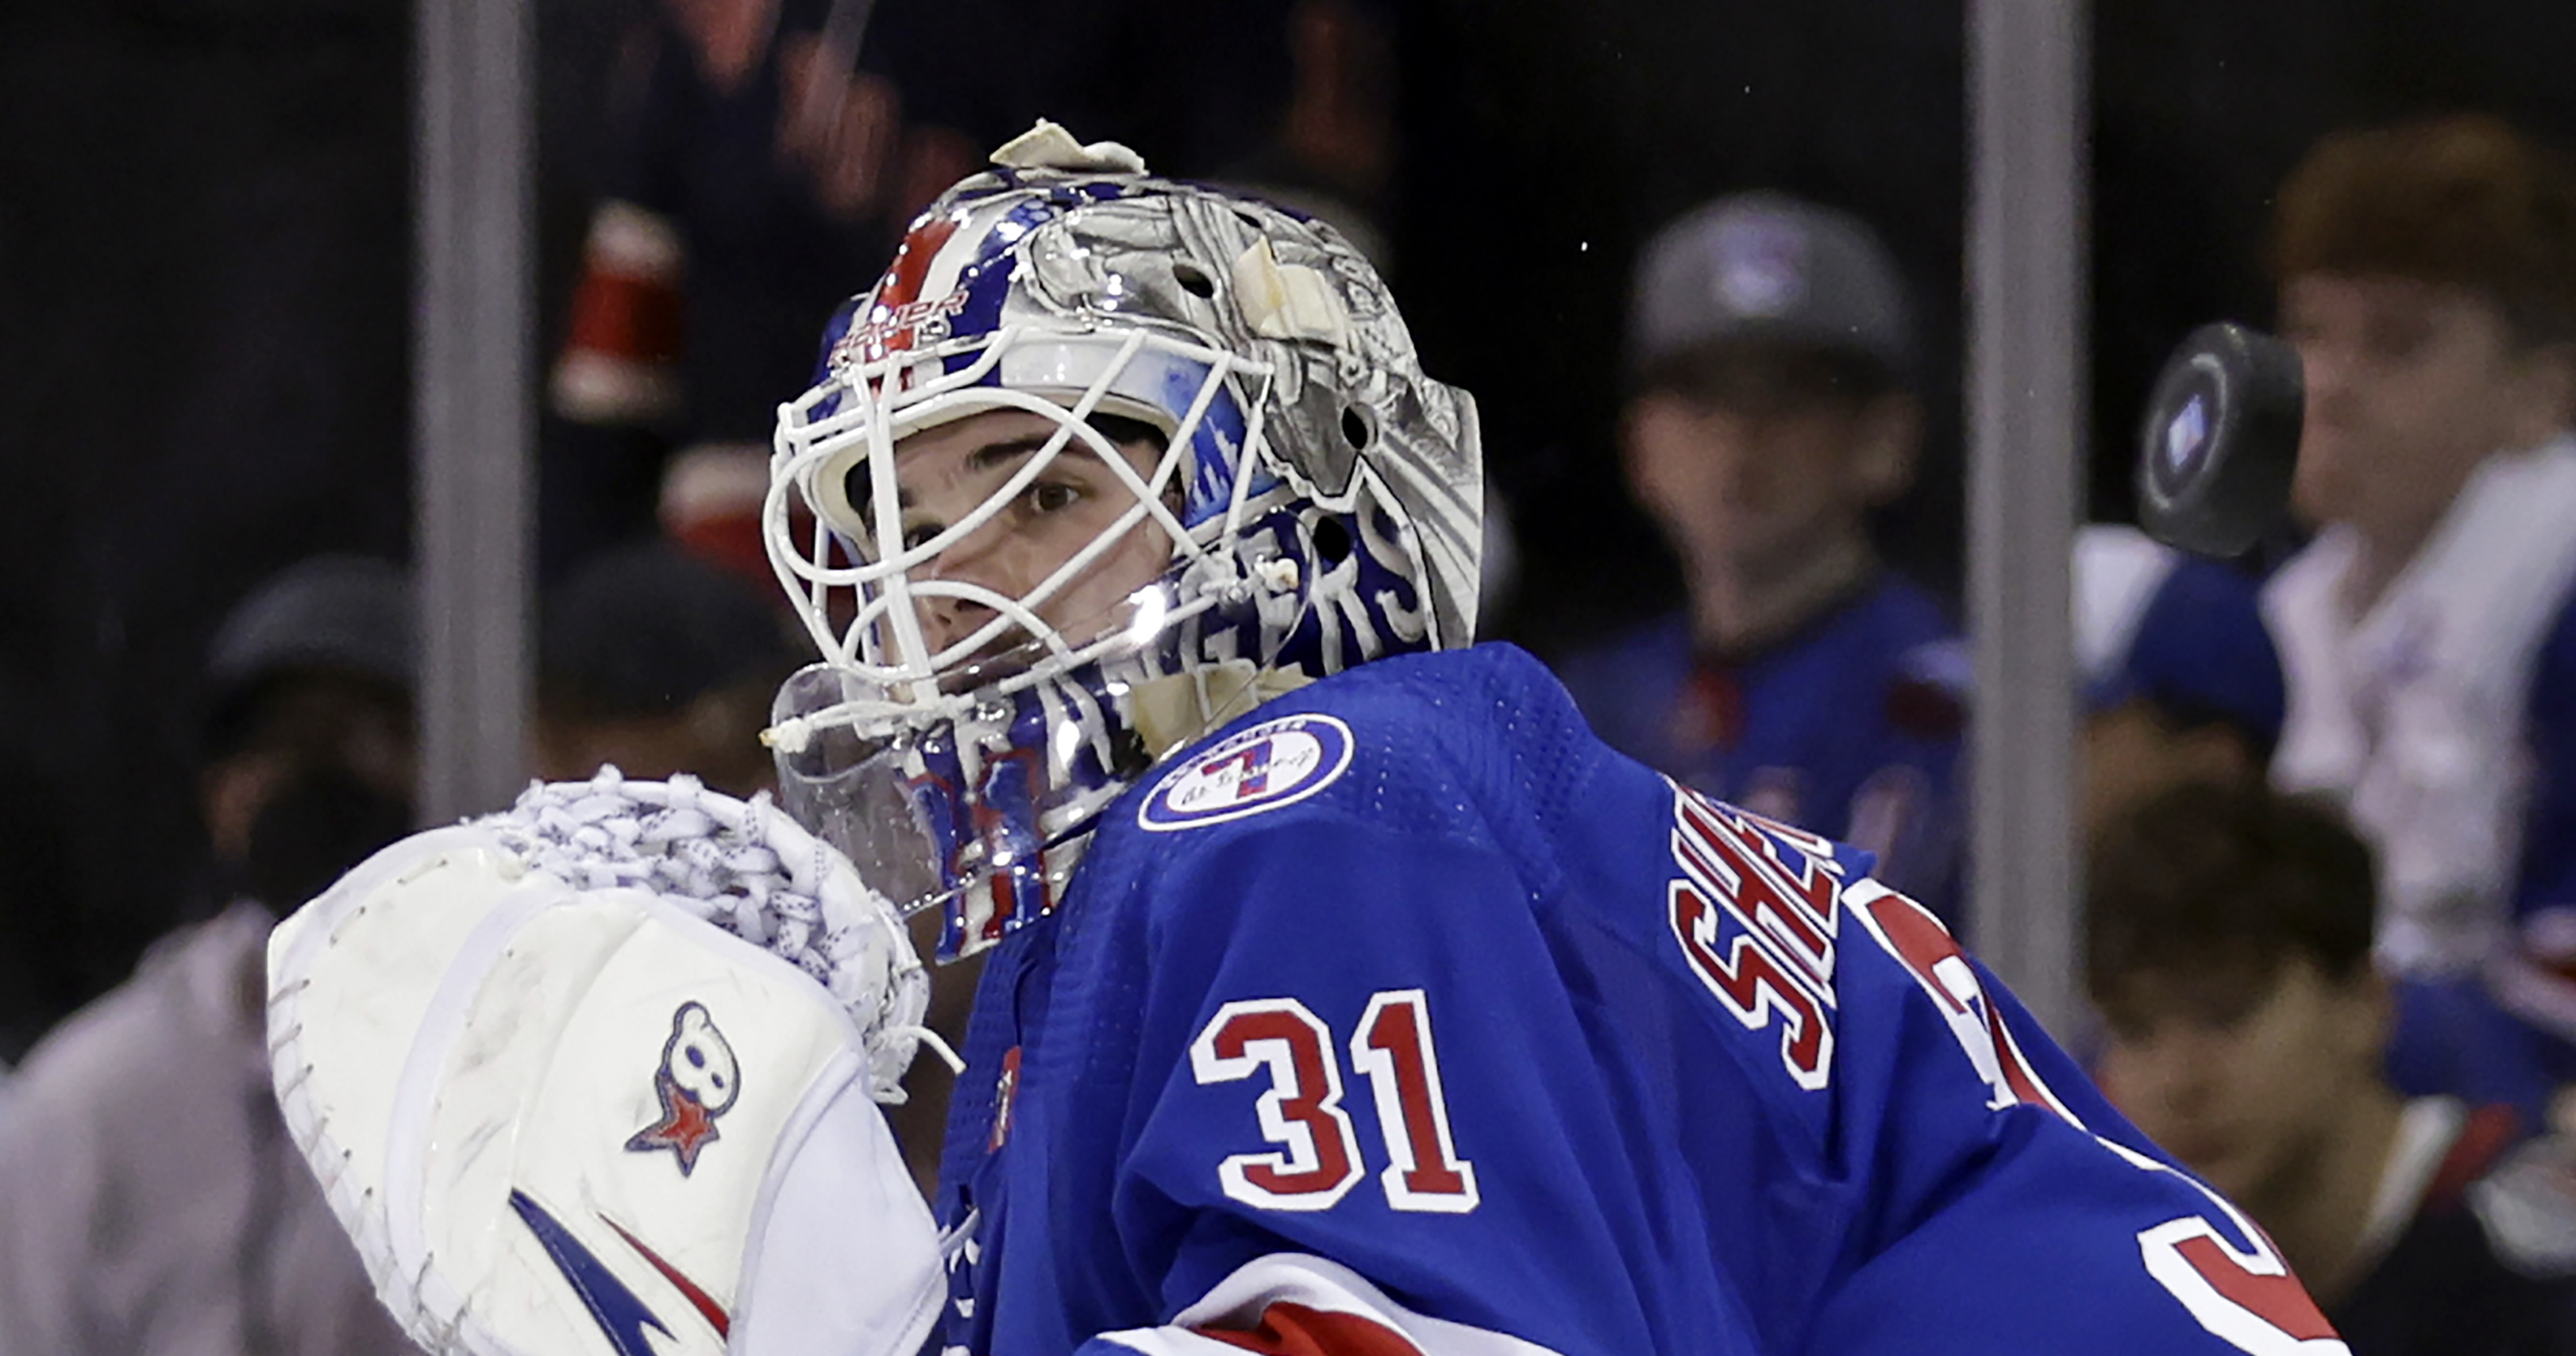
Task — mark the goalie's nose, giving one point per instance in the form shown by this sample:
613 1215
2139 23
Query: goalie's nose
989 563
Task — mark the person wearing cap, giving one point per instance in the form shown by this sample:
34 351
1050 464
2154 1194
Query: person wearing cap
1771 414
659 662
2427 277
150 1200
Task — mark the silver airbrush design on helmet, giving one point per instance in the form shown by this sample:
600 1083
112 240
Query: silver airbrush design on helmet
1319 498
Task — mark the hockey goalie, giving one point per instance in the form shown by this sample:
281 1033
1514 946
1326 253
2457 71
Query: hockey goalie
1341 993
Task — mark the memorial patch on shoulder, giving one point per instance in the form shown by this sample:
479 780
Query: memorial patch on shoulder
1275 763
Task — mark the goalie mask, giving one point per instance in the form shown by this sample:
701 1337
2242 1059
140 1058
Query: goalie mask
1101 462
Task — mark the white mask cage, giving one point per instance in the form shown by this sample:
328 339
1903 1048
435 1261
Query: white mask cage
862 602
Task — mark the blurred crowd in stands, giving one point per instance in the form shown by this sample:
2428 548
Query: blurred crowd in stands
2328 793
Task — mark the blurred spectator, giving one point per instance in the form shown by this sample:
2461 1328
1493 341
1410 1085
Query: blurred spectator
659 663
2228 944
150 1201
2183 687
2427 275
762 150
1771 414
762 157
2181 682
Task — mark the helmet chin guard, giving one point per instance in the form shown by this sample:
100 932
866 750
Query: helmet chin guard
1313 498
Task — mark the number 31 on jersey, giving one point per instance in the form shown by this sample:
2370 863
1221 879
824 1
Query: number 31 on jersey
1318 1158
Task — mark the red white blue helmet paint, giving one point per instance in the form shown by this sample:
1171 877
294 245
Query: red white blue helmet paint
1321 498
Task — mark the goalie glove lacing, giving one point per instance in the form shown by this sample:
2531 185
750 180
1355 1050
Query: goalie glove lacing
749 869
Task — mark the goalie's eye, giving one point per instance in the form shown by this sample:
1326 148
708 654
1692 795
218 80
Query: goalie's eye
1051 496
1042 498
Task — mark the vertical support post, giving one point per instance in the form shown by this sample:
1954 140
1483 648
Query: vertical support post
2028 123
474 411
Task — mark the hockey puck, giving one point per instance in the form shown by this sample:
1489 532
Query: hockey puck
2220 440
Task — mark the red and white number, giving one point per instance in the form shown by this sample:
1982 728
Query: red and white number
1301 1111
1319 1157
1914 937
2246 1298
1393 1050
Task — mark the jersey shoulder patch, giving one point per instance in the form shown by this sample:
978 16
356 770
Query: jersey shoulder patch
1276 763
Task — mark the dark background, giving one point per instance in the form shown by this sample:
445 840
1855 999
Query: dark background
204 245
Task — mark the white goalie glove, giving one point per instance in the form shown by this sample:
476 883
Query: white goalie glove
610 1064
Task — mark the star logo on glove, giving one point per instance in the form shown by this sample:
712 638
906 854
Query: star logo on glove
698 1082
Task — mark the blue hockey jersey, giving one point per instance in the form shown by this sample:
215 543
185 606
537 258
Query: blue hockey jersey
1405 1016
1851 726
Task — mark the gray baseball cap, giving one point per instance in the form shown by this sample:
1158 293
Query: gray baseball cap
1767 266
